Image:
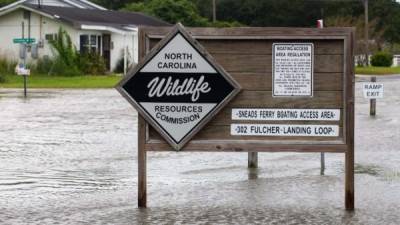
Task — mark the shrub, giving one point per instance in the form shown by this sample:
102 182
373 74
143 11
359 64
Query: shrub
2 77
66 60
62 69
70 62
44 65
382 59
54 67
6 67
92 63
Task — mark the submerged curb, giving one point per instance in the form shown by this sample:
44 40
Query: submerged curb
363 77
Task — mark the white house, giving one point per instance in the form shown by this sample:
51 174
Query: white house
113 34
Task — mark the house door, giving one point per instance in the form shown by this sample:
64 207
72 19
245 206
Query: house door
107 50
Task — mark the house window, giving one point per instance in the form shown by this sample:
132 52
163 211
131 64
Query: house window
89 43
50 37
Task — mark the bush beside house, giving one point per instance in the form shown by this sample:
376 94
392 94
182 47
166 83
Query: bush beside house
382 59
6 67
69 62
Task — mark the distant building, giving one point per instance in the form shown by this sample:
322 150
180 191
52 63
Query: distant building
82 4
396 60
112 34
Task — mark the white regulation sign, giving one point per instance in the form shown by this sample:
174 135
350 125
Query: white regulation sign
285 130
372 90
286 114
293 68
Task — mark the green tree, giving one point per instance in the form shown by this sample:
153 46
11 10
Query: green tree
265 12
383 14
5 2
114 4
387 15
171 11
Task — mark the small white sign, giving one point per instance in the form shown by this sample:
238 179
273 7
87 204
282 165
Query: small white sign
293 68
372 90
285 130
286 114
22 71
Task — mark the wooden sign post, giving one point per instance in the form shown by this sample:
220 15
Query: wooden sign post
297 95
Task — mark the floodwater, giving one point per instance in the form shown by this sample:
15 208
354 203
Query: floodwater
69 157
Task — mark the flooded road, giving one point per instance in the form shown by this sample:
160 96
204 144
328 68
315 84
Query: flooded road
69 157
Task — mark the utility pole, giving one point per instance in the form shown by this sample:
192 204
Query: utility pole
366 27
214 11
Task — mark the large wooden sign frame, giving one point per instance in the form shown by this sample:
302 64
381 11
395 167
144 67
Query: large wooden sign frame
246 53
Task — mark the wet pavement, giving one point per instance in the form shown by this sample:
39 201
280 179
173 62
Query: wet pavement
69 157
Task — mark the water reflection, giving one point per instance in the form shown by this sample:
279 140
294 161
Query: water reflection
69 157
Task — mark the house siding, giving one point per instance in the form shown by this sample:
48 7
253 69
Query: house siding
119 41
10 28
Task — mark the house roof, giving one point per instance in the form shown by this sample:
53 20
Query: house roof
84 4
93 19
116 19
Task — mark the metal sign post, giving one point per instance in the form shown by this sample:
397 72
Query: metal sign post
25 74
21 68
25 91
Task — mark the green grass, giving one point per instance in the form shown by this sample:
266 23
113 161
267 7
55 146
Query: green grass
371 70
44 81
38 81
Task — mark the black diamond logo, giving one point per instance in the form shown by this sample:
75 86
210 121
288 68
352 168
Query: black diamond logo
178 87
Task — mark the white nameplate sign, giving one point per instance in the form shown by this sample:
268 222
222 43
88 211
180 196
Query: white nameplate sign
285 130
286 114
372 90
293 68
23 71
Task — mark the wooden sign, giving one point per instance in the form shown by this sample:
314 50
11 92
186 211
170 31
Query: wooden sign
178 88
297 94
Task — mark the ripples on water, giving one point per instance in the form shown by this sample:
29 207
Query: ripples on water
69 157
